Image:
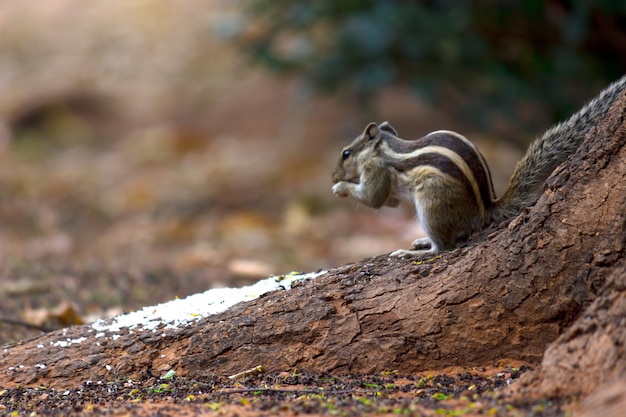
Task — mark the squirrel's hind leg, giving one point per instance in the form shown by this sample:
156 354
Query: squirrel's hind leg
409 253
422 243
424 247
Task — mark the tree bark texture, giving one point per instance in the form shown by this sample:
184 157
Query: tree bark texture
505 297
589 358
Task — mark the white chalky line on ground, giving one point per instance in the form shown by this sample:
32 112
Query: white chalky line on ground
181 312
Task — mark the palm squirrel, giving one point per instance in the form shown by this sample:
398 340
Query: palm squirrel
447 178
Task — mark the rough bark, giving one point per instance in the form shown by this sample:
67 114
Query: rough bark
594 346
608 400
506 297
589 358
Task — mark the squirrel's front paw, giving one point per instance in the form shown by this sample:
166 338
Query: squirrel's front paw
341 188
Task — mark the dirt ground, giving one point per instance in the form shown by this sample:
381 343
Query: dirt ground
473 393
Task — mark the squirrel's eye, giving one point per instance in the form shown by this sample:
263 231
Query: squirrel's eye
345 154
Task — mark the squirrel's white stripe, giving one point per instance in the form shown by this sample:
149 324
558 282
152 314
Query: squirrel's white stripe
453 156
492 192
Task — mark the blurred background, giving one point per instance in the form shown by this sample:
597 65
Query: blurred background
153 149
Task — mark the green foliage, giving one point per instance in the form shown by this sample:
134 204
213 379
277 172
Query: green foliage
500 53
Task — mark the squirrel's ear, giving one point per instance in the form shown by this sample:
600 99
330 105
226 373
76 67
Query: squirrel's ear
388 128
371 131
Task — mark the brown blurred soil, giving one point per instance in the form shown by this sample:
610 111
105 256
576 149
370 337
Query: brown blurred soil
472 392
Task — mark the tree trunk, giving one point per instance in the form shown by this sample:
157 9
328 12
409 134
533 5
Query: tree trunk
506 297
589 358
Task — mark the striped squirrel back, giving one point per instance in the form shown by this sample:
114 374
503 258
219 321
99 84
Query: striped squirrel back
445 153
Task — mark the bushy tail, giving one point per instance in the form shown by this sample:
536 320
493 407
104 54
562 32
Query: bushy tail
550 150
